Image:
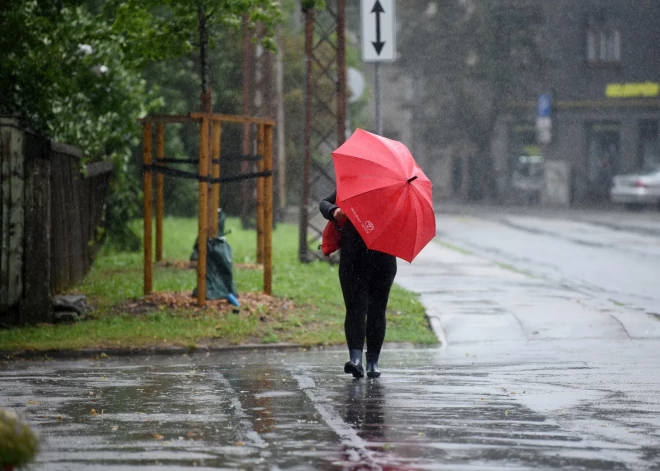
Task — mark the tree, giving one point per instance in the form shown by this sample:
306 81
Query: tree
179 26
65 73
73 70
469 59
197 25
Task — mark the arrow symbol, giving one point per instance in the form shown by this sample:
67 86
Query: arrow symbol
378 44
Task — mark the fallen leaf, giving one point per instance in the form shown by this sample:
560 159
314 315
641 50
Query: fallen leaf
34 402
114 428
59 417
239 443
158 436
93 412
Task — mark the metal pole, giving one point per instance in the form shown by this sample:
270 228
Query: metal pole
379 116
341 72
304 201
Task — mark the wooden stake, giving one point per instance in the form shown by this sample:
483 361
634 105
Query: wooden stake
268 212
215 152
260 195
148 202
160 191
203 211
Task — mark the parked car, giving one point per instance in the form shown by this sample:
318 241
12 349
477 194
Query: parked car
637 189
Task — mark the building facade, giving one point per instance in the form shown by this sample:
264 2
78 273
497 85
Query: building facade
603 82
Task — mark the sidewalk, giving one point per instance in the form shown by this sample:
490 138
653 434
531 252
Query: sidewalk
471 300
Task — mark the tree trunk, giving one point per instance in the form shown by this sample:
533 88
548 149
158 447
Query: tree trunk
247 187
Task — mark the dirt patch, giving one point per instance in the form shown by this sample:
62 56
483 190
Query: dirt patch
190 265
178 264
258 303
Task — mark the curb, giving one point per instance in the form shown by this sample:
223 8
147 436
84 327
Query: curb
146 351
106 353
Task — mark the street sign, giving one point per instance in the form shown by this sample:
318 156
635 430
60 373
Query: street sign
544 106
544 119
378 30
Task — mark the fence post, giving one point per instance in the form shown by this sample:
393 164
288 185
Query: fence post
217 139
203 211
260 195
268 220
160 191
148 202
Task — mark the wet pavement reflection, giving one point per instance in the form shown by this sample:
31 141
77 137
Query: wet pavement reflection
527 406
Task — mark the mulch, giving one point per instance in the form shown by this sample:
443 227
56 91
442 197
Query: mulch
249 303
188 265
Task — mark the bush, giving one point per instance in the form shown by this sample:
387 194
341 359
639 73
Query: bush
18 443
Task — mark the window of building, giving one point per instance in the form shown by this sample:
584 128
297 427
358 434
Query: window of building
649 147
603 41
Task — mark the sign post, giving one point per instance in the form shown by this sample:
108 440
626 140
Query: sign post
544 118
378 41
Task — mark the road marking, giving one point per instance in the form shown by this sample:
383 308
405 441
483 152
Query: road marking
243 425
349 437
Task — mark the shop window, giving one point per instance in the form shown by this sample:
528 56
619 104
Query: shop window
649 147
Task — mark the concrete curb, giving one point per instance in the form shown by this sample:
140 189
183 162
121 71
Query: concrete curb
145 351
102 353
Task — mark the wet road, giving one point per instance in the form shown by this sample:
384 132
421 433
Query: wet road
550 361
535 406
612 255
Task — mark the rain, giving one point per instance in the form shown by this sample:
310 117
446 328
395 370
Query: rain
170 299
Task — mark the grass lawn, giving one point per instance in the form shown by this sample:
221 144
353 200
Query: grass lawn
312 316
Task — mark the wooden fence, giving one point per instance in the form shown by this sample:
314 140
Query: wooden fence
50 212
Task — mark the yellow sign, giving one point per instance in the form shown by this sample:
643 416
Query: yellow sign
628 90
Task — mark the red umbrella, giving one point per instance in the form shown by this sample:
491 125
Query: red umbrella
385 194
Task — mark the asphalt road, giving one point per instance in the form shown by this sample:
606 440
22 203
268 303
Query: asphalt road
613 255
549 361
559 406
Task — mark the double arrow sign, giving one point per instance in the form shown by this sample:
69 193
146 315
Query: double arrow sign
378 44
378 28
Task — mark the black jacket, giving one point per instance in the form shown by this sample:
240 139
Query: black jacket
350 235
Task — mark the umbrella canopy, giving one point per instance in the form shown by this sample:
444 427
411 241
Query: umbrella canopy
385 194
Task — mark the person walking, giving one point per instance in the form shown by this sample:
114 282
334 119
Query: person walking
366 277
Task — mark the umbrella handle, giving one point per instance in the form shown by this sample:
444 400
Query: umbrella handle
412 178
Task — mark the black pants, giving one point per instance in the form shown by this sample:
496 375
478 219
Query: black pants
366 278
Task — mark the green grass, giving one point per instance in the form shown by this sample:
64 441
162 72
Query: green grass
316 317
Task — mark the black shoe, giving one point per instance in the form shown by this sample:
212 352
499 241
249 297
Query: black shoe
354 366
372 365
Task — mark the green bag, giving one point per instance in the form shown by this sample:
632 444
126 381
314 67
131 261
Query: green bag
219 265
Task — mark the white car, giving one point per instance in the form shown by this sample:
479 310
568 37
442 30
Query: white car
637 189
